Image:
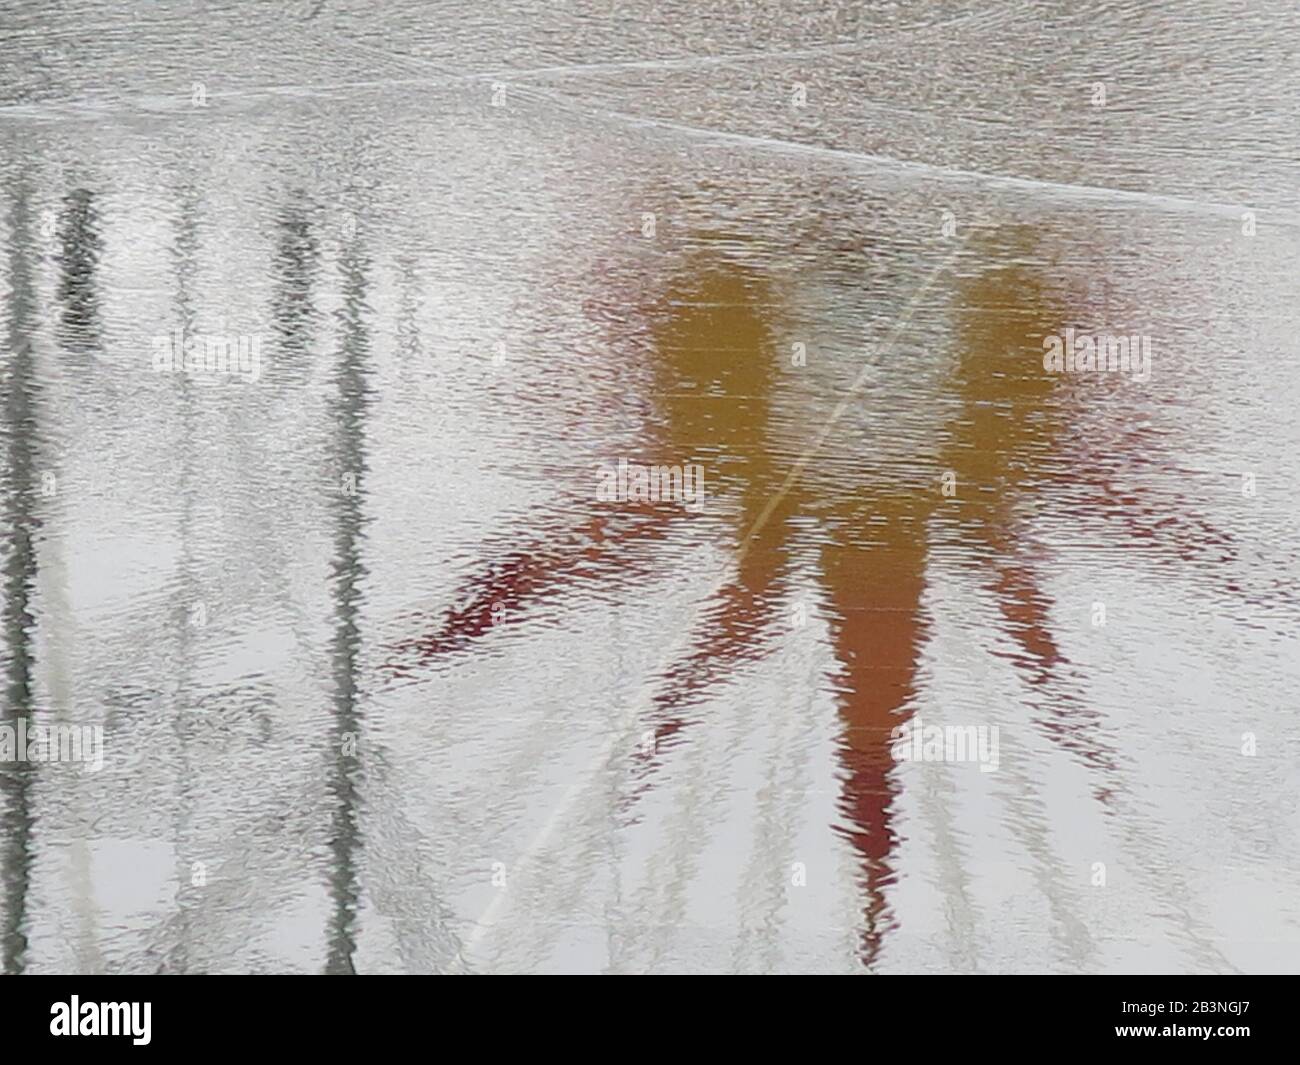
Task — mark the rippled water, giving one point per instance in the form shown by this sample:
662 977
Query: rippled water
383 685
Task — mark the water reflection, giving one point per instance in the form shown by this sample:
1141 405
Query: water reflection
21 433
613 696
188 596
80 249
294 271
1006 446
716 371
347 592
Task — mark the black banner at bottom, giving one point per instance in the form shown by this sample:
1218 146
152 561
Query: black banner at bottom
229 1013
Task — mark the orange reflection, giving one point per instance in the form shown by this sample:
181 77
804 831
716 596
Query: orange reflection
716 373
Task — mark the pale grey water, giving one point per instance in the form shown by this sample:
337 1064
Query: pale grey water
384 688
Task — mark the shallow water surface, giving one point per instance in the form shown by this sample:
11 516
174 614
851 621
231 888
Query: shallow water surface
386 683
